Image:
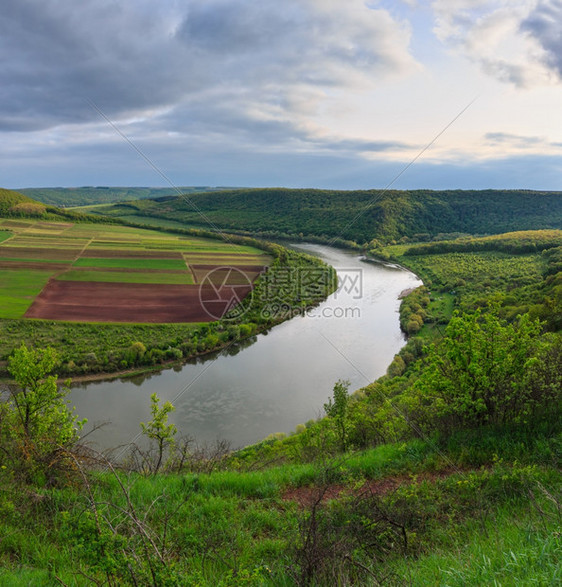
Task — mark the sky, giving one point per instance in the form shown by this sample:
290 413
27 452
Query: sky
338 94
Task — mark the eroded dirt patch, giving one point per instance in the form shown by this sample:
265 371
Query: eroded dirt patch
309 495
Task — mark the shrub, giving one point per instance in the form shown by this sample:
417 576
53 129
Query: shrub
36 428
486 371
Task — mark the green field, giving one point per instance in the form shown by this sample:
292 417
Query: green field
98 253
171 264
18 289
198 259
64 243
129 277
26 260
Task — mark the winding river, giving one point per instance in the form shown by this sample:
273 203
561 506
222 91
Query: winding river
278 380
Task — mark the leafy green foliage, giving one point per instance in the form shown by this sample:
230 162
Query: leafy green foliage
159 431
336 409
413 310
361 215
36 427
10 200
487 489
520 281
85 196
530 241
479 374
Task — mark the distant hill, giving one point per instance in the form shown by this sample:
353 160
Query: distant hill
16 204
357 215
90 195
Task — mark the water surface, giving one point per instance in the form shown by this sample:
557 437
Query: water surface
278 379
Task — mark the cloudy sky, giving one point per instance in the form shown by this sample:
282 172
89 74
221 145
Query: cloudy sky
299 93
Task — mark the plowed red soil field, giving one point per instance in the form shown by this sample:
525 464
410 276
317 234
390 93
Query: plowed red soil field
91 301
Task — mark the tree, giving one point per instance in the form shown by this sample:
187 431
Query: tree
159 430
337 410
37 428
478 374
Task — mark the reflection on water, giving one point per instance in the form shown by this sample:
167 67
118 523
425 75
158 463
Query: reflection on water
272 382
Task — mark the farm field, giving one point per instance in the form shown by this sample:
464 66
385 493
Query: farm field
98 273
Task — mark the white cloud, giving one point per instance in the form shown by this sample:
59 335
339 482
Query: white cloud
494 34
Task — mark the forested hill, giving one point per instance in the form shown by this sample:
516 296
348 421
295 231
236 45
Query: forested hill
359 215
17 205
14 203
92 195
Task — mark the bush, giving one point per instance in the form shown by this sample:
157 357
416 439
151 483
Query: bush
36 428
486 371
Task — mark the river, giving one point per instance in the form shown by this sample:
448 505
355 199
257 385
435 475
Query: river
275 382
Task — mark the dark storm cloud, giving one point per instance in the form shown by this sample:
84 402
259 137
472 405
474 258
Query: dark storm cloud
131 57
55 56
545 25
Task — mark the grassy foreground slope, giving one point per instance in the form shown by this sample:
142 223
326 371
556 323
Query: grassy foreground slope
358 215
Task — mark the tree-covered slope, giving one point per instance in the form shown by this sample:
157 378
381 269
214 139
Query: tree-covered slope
359 215
92 195
14 203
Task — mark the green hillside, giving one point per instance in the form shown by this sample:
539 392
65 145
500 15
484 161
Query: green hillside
16 204
357 215
92 195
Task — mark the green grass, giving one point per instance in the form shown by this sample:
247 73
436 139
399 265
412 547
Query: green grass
127 277
18 289
233 527
514 548
50 242
5 235
442 306
173 264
